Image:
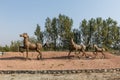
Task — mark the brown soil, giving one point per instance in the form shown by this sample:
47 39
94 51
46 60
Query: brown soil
56 61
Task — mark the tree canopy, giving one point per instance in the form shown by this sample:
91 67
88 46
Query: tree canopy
59 30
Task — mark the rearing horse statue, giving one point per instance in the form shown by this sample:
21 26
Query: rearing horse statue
27 45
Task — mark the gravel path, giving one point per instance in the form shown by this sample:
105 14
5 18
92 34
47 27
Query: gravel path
81 76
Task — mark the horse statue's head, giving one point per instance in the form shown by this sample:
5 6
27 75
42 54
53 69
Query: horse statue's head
24 35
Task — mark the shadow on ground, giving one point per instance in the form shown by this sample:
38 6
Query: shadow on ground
12 58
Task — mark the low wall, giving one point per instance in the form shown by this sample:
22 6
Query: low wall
59 71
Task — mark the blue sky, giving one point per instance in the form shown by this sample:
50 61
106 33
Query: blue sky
18 16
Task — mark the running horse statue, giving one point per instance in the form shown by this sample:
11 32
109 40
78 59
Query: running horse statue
76 47
97 49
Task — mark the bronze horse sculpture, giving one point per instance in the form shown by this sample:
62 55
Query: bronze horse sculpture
76 47
27 45
97 49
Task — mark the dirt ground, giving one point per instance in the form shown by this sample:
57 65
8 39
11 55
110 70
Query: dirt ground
58 61
53 60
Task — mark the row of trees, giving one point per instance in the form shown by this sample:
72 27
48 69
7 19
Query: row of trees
59 30
102 32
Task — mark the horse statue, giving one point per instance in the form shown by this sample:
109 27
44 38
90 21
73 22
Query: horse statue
97 49
27 45
76 47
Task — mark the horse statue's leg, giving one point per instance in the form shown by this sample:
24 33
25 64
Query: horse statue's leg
69 53
103 55
95 54
26 54
79 55
84 54
27 50
39 56
20 50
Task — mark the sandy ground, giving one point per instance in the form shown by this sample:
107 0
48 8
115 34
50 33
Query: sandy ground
56 61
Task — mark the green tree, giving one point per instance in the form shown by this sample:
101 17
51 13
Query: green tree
92 28
65 30
84 31
32 39
6 48
59 29
65 27
39 34
101 32
77 36
97 33
52 30
14 46
48 28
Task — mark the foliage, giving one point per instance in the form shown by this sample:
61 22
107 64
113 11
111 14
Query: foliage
15 45
39 34
58 32
77 36
101 32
